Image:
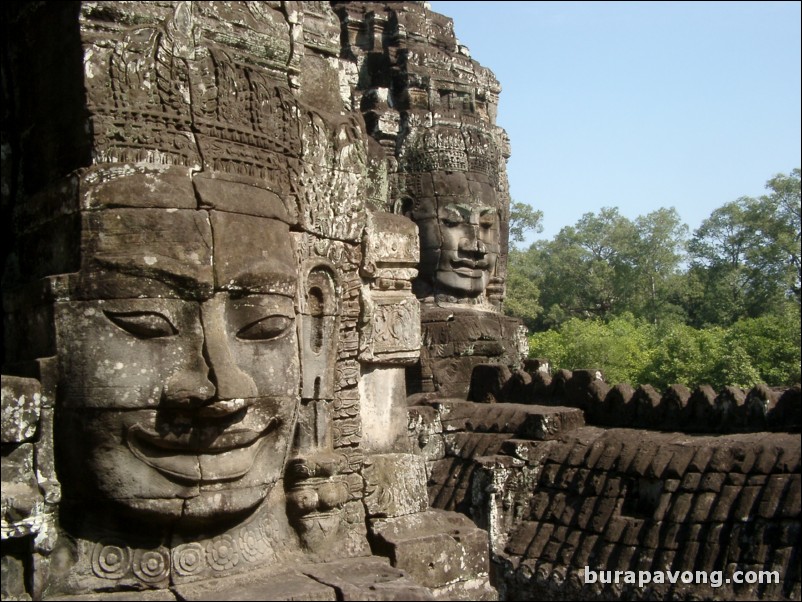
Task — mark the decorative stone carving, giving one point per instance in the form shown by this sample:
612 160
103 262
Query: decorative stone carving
30 490
431 111
316 498
207 291
391 313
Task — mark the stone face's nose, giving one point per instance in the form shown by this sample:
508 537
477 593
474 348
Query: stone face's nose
230 381
472 244
189 388
212 378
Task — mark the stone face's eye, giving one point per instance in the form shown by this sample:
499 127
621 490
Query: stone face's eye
267 328
143 324
453 218
487 220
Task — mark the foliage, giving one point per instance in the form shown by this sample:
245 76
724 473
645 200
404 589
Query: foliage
655 255
523 292
605 265
779 217
683 354
644 303
619 348
523 219
627 349
772 343
584 267
746 255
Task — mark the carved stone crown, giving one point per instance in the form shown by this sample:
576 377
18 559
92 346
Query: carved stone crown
175 84
439 148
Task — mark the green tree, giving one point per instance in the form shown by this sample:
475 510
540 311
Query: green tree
619 347
585 268
523 219
615 296
778 216
746 256
721 249
773 344
606 265
523 291
655 255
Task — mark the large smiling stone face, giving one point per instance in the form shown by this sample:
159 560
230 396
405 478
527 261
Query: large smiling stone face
179 365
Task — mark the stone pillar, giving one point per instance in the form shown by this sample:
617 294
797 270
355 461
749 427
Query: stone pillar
390 337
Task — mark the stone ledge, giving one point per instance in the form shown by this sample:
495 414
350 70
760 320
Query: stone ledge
524 421
437 548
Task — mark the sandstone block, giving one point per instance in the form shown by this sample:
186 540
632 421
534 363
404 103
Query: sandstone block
395 485
435 548
21 403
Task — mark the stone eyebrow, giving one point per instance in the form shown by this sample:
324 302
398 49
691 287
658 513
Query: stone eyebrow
463 210
269 281
179 282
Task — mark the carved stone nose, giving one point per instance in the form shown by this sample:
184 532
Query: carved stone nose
472 245
188 388
231 382
214 374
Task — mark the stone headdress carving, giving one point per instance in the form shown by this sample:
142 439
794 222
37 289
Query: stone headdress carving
212 88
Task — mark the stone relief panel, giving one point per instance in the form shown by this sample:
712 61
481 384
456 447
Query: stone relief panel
394 326
333 178
324 483
391 313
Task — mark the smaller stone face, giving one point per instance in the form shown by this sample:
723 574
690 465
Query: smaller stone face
460 234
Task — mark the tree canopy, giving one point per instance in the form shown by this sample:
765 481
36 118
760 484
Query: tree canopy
714 304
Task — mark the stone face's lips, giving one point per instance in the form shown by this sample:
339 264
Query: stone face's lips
195 440
469 267
468 272
228 456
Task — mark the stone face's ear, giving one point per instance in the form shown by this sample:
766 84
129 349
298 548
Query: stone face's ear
404 206
318 333
318 324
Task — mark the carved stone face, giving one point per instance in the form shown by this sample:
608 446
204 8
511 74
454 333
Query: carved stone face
179 366
459 234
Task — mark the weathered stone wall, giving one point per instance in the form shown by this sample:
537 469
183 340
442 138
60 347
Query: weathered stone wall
678 408
207 314
641 501
557 497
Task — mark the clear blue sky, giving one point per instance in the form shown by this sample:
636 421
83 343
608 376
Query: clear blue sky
640 105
